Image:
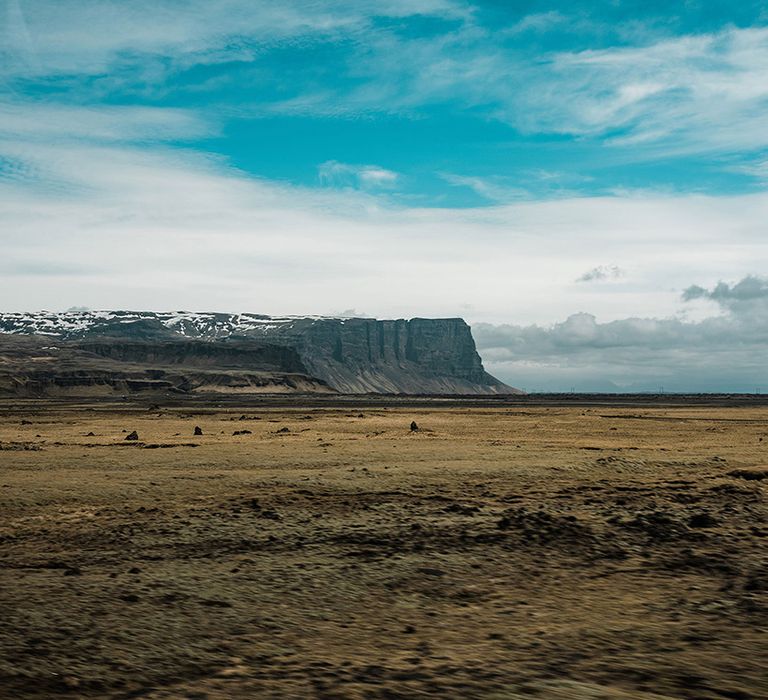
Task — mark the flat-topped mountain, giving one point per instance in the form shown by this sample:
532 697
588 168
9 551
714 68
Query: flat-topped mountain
102 352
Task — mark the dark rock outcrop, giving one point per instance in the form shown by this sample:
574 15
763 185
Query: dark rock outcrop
124 352
419 356
31 366
246 354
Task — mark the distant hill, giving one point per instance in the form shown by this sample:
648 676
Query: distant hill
107 352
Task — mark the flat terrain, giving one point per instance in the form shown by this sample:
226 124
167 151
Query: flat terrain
552 552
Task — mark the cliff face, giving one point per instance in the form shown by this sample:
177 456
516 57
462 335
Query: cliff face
34 366
417 356
420 356
245 355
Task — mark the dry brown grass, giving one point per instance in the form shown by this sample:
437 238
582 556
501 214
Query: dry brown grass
556 553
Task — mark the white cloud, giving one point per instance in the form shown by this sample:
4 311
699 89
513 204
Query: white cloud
705 91
492 189
694 93
719 353
697 93
48 37
537 22
337 174
159 228
757 169
50 122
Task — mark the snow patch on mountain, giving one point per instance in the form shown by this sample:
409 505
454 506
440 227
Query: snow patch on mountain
69 325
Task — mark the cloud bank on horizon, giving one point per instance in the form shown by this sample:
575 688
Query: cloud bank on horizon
722 353
513 163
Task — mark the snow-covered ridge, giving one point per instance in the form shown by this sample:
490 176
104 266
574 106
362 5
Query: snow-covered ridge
76 324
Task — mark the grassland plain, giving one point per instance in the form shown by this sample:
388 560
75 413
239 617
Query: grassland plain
330 552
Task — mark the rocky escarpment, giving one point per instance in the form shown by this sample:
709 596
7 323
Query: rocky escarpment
419 356
31 366
184 351
246 354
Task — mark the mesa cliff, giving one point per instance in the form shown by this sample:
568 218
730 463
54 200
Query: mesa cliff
102 353
419 356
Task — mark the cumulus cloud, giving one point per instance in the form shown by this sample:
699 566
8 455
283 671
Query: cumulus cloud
719 353
601 273
751 288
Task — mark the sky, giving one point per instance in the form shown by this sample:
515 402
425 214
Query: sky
584 183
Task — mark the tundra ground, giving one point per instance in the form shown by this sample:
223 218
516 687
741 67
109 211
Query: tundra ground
559 553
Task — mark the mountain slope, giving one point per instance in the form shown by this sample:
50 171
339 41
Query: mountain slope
417 356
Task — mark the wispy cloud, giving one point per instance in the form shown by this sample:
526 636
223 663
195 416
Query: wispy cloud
537 22
46 122
693 93
698 93
756 168
493 189
705 91
335 174
91 36
529 184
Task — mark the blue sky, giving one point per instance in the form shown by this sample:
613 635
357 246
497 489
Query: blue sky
516 163
465 103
